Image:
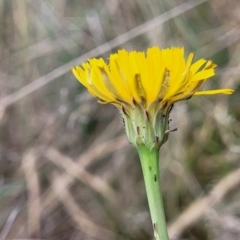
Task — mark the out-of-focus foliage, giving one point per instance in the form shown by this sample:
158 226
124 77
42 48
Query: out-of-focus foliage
66 169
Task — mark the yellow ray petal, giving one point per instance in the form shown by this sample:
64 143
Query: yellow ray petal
117 80
197 65
156 71
203 75
189 60
98 86
128 69
77 75
210 92
210 64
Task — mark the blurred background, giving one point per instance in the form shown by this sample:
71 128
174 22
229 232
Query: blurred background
66 168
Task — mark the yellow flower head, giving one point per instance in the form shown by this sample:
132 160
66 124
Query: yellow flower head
150 83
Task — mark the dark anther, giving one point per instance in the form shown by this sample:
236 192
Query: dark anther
156 139
147 115
155 178
138 130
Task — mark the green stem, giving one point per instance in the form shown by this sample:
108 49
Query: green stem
149 161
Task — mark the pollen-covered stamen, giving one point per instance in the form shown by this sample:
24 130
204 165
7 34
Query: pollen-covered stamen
165 83
140 90
109 85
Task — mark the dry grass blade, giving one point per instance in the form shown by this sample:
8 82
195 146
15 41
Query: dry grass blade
78 172
200 207
79 216
40 82
32 182
85 159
